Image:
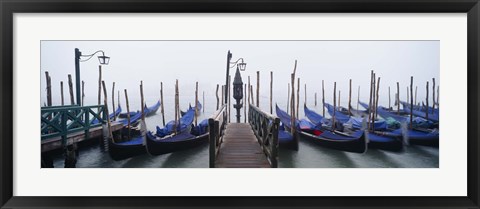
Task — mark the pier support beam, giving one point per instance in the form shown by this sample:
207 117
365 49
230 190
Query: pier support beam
71 154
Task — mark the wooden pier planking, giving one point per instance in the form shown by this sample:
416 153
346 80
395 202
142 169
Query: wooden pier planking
56 142
240 149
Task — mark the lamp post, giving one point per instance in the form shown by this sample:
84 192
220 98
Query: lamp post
242 65
104 60
238 92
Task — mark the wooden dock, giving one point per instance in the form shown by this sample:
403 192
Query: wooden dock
240 149
56 142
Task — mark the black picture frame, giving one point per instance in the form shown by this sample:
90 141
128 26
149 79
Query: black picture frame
10 7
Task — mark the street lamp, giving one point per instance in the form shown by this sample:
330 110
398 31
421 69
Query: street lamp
238 92
104 60
242 65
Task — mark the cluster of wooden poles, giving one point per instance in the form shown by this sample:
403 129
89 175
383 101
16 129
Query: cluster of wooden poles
101 85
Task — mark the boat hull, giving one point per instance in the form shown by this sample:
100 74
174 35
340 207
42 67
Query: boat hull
356 145
121 152
159 147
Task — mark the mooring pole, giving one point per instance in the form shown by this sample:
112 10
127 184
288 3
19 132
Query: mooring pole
83 93
411 102
49 89
216 93
70 86
271 92
113 101
433 95
162 110
323 99
334 104
196 102
350 98
61 93
128 112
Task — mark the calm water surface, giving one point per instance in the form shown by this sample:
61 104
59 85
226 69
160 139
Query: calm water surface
308 156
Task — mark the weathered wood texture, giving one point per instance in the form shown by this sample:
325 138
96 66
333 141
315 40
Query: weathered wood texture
240 149
94 133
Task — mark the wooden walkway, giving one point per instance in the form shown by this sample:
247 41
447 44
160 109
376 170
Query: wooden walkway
56 142
240 149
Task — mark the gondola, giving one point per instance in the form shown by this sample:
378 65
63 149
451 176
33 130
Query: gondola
431 116
379 139
165 141
111 115
335 140
421 134
199 108
129 148
285 138
149 111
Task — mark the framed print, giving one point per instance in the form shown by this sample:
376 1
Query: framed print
239 104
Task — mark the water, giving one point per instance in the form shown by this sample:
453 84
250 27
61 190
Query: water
309 155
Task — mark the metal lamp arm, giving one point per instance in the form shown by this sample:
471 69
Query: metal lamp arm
91 55
234 63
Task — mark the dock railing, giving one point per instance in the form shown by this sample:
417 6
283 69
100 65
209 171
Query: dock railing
63 120
216 125
265 126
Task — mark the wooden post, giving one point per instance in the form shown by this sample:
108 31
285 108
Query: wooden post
408 92
438 96
175 104
292 106
203 101
288 99
370 100
298 97
128 113
245 103
372 108
389 104
305 99
83 92
350 98
426 112
271 92
162 107
251 92
142 100
376 100
323 99
61 93
258 88
411 102
49 89
99 84
358 96
334 104
113 101
398 98
105 102
70 86
433 96
223 89
196 102
216 93
315 99
416 87
229 98
339 95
